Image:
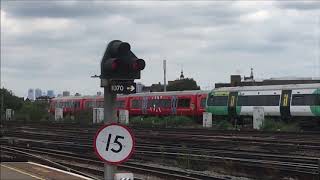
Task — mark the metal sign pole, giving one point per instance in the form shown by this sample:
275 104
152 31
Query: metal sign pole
110 116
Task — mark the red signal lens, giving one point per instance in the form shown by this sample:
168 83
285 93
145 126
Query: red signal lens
135 66
115 64
138 64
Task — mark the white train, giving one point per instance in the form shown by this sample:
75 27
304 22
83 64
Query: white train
284 101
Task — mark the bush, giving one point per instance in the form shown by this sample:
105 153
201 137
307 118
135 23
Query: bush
32 112
273 125
169 121
82 117
223 125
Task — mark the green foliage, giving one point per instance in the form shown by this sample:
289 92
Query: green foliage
33 112
223 124
273 125
182 85
9 101
169 121
83 117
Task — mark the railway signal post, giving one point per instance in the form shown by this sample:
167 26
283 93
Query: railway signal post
119 68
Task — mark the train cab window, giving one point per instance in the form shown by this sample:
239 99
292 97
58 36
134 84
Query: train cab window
183 103
305 100
136 103
120 104
203 103
218 101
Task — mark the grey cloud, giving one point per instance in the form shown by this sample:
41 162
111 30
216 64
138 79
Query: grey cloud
209 40
31 9
299 5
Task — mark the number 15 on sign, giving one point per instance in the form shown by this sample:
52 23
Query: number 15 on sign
114 143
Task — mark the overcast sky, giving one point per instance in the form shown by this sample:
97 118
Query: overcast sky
59 45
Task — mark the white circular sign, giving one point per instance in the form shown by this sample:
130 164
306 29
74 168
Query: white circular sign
114 143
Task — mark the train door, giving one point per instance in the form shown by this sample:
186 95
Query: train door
174 104
232 103
285 104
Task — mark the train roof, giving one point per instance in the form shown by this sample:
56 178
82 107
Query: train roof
168 93
270 87
73 97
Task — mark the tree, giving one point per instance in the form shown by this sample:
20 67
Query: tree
9 101
182 85
24 110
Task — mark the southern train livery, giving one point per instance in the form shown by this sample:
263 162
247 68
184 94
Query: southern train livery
284 101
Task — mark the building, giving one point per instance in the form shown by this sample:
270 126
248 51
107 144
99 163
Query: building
31 95
65 93
50 93
43 99
181 75
37 93
236 80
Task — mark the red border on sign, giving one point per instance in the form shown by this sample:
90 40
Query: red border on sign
115 162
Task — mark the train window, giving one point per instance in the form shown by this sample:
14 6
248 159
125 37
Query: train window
218 101
153 103
272 100
76 104
184 103
305 99
203 102
120 104
166 103
136 103
90 104
100 104
259 100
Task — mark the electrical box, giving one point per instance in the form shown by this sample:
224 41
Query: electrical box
123 176
258 117
58 114
97 115
207 119
9 114
123 116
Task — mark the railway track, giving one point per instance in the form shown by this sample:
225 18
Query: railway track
79 162
296 164
270 143
299 166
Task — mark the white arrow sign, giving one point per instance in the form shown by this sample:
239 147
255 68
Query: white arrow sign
131 88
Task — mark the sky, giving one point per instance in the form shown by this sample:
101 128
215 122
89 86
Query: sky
58 45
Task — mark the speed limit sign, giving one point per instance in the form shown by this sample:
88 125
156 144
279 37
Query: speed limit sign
114 143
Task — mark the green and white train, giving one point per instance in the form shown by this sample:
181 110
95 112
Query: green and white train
282 101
